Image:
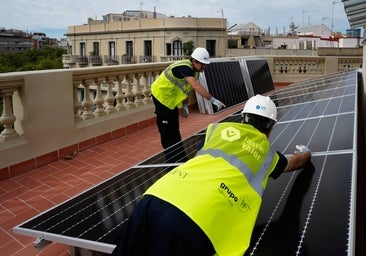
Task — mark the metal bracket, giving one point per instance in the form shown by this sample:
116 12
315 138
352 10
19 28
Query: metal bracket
40 243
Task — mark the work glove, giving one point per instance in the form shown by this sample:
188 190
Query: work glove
185 110
217 103
302 149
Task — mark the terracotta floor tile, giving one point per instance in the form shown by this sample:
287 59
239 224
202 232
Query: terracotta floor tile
14 248
19 218
51 180
13 194
40 203
26 195
75 190
55 249
5 214
9 185
30 183
15 205
53 192
58 198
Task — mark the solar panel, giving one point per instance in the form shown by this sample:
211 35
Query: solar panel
257 75
311 212
225 81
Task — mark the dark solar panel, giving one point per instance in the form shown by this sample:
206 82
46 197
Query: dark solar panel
303 213
225 81
259 75
234 81
312 212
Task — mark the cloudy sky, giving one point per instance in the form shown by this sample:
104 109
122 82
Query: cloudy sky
53 17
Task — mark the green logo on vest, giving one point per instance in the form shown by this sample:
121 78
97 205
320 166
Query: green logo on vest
230 134
244 204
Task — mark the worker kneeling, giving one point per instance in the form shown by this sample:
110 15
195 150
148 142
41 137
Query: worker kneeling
209 204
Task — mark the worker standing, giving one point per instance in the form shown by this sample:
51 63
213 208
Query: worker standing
170 92
209 205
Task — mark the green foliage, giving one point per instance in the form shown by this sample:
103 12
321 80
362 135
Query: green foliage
188 47
48 58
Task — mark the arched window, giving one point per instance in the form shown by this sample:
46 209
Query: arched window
177 48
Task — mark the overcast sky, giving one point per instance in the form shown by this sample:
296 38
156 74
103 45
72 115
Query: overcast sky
53 17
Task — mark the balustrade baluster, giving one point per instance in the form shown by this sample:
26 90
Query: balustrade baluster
98 101
109 97
129 93
7 119
77 105
119 96
86 103
146 91
138 93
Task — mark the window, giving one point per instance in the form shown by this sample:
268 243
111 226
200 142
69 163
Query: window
112 49
177 48
128 57
95 48
211 47
168 49
82 49
129 48
232 44
147 51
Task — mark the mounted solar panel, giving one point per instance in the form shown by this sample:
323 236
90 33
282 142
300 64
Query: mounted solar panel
233 81
310 212
313 210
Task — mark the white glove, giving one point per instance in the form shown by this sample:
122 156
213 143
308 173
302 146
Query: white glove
217 103
302 149
185 110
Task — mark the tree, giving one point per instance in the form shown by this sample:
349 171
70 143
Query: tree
188 47
34 59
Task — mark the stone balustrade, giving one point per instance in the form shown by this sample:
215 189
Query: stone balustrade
46 115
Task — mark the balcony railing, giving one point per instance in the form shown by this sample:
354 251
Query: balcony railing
147 58
95 60
111 60
82 60
128 59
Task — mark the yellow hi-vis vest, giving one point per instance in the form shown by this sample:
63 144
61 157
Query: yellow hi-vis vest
221 188
169 90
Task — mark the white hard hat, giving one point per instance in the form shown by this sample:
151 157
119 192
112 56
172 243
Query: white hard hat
262 106
201 54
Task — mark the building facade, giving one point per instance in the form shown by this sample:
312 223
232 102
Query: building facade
14 41
142 38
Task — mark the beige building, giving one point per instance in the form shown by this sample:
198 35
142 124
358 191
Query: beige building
137 37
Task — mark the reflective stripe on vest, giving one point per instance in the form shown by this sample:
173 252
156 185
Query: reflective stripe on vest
254 180
172 91
179 82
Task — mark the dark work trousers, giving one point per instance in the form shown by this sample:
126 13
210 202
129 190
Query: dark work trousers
167 121
157 228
